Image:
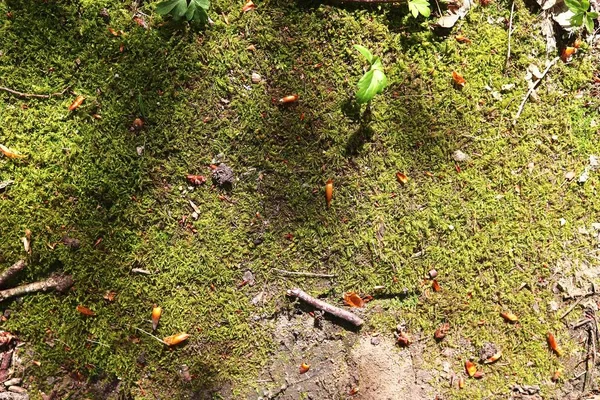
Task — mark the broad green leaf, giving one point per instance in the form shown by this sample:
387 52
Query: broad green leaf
585 5
577 19
377 64
189 15
417 7
574 5
589 23
592 15
177 8
204 4
365 52
372 83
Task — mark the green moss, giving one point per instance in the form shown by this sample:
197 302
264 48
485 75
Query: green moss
83 178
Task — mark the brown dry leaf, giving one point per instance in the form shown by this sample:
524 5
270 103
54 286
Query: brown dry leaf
288 99
156 313
509 317
493 358
353 391
461 382
304 367
10 153
176 339
85 311
458 79
113 32
436 286
553 345
138 124
403 179
78 101
404 340
248 6
110 296
463 39
556 376
353 300
470 368
442 331
329 191
478 375
567 53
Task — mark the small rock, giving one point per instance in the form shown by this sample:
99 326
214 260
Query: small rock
433 273
584 176
596 225
13 382
594 162
553 306
459 156
487 350
140 150
256 78
5 184
508 87
223 176
249 277
562 222
375 341
71 243
530 167
496 95
258 299
570 175
17 389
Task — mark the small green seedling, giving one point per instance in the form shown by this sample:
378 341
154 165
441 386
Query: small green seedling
417 7
373 81
582 14
192 10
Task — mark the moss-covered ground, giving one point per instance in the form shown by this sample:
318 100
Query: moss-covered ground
487 226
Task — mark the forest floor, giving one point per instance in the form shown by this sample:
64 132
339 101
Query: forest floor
508 227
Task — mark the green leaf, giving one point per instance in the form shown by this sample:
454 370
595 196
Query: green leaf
592 15
372 83
577 19
177 8
589 23
365 52
574 5
203 4
417 7
377 64
585 5
189 15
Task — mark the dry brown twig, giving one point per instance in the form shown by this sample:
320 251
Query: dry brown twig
60 283
303 274
32 95
11 271
323 306
532 88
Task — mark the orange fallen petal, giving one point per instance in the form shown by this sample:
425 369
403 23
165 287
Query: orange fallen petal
436 286
509 317
493 358
85 311
403 179
329 191
353 300
470 368
156 313
553 345
458 79
176 339
78 101
288 99
10 153
304 367
248 6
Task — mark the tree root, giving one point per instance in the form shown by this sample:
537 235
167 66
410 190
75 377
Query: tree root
328 308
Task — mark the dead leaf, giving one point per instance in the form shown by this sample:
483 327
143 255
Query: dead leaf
478 375
458 79
329 192
304 367
156 313
448 21
174 340
556 376
509 317
570 175
463 39
353 300
436 286
140 22
567 53
113 32
85 311
404 340
493 358
27 241
289 99
10 153
78 101
138 124
470 368
110 296
403 179
353 391
461 382
553 345
248 6
441 331
196 179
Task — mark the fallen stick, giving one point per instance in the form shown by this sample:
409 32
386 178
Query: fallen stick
11 271
512 11
60 283
34 95
306 274
151 335
532 88
328 308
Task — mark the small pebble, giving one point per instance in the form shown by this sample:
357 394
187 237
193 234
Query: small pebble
256 78
459 156
375 341
570 175
12 382
433 273
17 389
